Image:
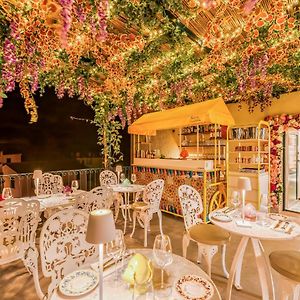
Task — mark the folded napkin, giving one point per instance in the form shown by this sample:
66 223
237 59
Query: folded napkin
283 226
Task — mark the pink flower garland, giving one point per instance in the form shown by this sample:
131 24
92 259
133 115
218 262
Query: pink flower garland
279 124
67 17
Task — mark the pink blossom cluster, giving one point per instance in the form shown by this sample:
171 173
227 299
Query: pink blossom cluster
9 66
66 14
102 15
249 6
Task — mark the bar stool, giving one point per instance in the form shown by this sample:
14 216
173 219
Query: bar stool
287 266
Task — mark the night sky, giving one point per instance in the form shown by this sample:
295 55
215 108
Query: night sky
55 136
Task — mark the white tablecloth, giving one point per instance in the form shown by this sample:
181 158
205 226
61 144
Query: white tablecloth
177 269
54 200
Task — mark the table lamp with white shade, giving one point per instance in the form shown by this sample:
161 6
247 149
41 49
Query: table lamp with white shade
37 175
100 230
119 170
244 185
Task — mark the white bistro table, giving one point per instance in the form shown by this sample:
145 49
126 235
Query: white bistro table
177 269
54 201
255 234
127 190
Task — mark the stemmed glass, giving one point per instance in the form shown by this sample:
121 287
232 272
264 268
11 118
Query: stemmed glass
7 193
235 199
122 177
74 186
133 178
116 249
162 252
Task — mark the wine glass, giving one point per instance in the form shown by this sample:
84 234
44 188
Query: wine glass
116 249
7 193
122 177
235 199
162 253
133 178
74 186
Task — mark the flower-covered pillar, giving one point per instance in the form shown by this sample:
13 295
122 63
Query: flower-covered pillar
279 124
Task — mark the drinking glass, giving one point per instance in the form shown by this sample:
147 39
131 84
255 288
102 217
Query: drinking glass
74 185
235 199
133 178
122 177
7 193
162 253
116 249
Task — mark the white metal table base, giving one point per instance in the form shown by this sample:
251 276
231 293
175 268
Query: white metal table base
263 266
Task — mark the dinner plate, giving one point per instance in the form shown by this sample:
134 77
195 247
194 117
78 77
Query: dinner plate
277 217
192 287
44 196
79 282
221 217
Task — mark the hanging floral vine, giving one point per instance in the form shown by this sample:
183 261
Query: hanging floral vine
142 56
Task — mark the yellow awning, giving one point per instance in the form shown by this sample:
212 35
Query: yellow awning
206 112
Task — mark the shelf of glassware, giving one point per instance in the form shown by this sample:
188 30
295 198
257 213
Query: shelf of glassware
249 156
204 142
143 146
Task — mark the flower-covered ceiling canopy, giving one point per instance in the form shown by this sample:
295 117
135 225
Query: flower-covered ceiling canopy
127 57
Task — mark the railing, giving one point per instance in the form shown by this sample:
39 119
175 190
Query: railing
22 184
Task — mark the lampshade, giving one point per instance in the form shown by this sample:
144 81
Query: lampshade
119 169
101 227
37 174
244 183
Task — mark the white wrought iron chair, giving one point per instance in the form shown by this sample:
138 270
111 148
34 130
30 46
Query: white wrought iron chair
208 237
63 248
144 210
50 184
97 198
108 178
18 223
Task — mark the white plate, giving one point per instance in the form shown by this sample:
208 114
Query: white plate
43 196
221 217
192 287
79 282
277 217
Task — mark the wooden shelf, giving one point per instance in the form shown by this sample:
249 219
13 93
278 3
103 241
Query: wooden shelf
204 145
233 163
248 140
238 152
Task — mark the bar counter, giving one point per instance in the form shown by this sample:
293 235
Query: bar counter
175 173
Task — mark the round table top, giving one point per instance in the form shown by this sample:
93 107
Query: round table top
131 188
256 230
177 269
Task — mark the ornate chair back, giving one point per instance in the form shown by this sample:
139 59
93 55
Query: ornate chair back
153 193
18 223
97 198
191 205
63 247
50 184
108 178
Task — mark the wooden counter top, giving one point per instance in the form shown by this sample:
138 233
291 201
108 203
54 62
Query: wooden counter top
175 164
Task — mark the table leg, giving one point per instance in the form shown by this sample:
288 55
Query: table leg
129 208
125 212
264 271
236 265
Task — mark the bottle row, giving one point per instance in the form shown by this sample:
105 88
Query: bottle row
249 133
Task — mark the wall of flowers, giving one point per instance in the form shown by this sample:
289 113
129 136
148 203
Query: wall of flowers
279 124
128 57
